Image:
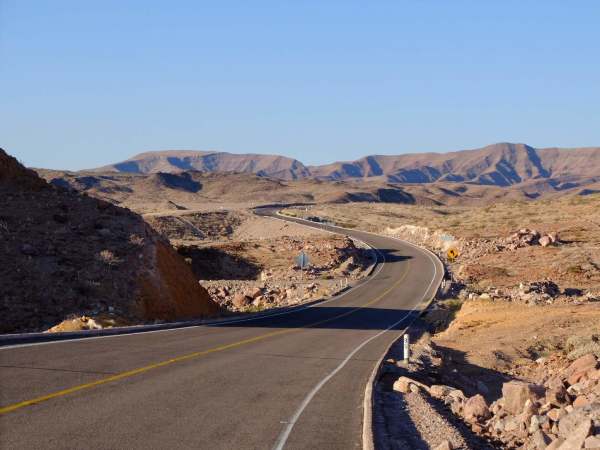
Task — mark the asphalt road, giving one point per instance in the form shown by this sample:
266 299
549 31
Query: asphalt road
294 380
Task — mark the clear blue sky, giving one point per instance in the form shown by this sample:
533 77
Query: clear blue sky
84 84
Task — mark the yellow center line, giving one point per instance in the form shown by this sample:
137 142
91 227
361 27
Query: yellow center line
140 370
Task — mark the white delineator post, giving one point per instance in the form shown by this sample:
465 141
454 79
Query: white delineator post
301 281
406 348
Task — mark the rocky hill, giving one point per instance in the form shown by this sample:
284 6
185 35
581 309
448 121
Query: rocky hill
503 165
73 261
499 164
176 161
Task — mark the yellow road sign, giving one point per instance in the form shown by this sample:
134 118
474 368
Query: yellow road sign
452 253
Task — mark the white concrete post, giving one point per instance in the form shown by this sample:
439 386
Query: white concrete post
406 348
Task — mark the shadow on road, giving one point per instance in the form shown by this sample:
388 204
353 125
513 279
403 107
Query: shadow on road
391 256
332 317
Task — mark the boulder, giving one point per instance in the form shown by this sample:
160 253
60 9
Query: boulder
576 439
404 384
455 400
555 414
476 409
540 440
568 423
240 300
537 422
516 394
545 241
580 367
581 401
556 393
440 391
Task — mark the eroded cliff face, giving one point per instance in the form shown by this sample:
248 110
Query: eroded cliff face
168 290
69 261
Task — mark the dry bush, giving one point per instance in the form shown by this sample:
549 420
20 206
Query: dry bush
578 346
136 240
109 258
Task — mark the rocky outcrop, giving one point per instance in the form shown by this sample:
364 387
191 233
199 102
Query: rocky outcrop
14 174
74 260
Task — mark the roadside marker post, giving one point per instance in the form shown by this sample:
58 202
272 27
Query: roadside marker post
302 261
406 348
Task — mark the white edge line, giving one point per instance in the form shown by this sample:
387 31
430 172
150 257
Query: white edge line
283 437
218 323
368 440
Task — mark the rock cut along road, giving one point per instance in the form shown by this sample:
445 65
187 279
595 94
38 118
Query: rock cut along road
293 380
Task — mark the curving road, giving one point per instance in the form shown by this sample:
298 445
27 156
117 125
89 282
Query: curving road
291 380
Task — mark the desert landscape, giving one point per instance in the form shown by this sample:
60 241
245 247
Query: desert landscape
509 349
300 225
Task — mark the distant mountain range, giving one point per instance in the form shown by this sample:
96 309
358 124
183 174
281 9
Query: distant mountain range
173 161
502 164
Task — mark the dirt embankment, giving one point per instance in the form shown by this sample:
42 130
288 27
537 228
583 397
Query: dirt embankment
74 262
247 262
171 290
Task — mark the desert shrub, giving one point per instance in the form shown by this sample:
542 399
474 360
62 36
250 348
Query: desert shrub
136 240
453 304
346 224
498 271
541 348
108 258
578 346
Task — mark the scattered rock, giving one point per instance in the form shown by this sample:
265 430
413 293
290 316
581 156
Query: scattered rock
516 394
404 385
580 367
440 391
476 409
540 440
577 436
241 300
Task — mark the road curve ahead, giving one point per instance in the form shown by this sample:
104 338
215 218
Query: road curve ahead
294 380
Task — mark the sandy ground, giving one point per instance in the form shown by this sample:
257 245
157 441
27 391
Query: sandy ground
255 227
507 338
